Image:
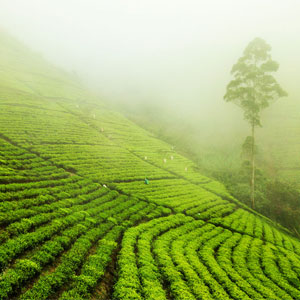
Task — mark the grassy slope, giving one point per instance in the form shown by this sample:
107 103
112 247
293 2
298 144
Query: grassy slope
59 146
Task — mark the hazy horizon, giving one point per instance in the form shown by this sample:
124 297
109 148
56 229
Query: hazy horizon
156 50
173 56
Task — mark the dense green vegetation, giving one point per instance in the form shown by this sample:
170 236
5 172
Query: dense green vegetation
78 222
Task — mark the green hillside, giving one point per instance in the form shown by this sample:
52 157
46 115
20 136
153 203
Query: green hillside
78 221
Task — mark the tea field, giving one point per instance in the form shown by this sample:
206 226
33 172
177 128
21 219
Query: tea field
78 221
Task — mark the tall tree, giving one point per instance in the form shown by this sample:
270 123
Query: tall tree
253 89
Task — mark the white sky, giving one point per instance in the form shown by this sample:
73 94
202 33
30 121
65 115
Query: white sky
165 49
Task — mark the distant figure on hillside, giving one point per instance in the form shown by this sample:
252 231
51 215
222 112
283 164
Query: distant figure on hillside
146 181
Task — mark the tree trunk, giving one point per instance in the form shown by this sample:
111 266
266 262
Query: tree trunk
253 168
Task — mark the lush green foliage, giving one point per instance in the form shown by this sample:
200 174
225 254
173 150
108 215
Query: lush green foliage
78 222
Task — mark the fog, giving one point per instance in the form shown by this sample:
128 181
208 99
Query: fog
165 65
174 54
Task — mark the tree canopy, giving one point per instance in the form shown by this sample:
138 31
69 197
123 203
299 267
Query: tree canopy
253 87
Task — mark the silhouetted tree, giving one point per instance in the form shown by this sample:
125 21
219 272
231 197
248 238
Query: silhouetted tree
253 89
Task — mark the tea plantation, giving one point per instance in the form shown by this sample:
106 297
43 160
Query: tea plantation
78 221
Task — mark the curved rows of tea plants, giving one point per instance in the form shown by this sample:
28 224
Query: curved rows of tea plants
77 220
47 215
179 257
243 222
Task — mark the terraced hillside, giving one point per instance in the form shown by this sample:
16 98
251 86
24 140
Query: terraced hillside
78 221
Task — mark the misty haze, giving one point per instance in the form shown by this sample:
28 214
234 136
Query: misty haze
149 149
